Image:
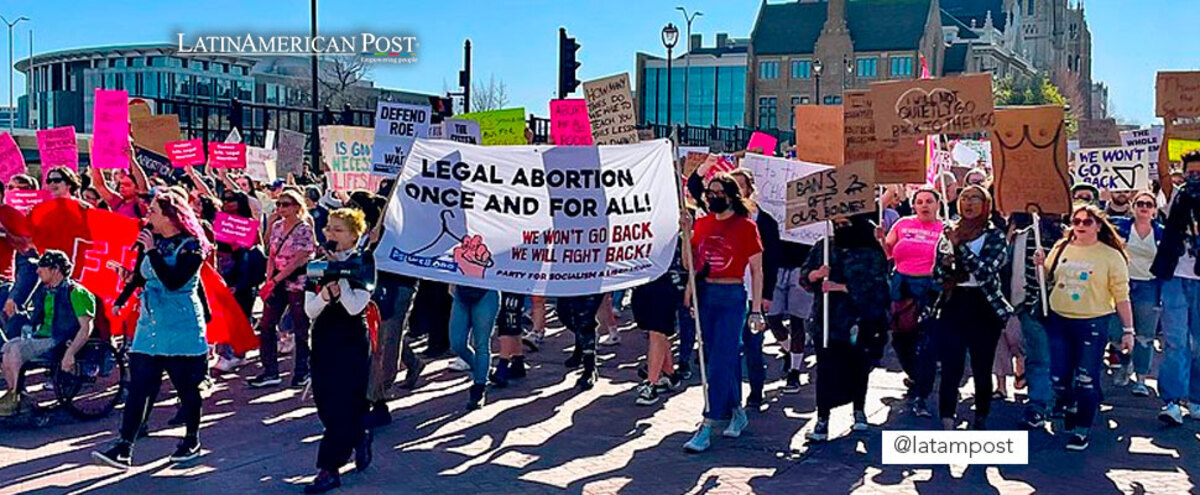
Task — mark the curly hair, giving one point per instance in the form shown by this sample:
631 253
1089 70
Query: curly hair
354 218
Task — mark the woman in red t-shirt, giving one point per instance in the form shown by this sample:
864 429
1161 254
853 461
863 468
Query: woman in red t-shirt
724 243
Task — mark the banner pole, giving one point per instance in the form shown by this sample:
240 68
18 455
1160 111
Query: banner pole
686 235
824 293
1041 268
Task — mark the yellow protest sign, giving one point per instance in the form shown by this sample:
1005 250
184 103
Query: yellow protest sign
499 127
1177 147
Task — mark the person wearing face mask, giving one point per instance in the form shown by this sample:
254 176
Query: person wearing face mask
1141 235
972 309
1176 265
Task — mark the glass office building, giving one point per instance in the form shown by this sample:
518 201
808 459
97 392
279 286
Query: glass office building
715 83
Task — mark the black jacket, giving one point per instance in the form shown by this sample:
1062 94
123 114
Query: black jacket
1179 234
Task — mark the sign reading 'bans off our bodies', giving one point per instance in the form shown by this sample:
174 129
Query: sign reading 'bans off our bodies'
610 108
556 221
396 126
842 191
921 107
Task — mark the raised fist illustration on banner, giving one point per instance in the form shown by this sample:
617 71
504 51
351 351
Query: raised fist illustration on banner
473 256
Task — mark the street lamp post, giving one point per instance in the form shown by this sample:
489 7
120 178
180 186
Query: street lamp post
670 36
687 71
817 67
12 111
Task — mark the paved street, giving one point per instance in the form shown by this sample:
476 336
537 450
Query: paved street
541 436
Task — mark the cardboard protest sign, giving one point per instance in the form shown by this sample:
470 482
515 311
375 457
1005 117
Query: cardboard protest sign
226 155
1098 133
235 230
186 153
842 191
1176 148
153 132
900 161
693 162
11 160
346 152
154 164
1178 94
859 129
110 129
57 148
763 142
462 131
499 127
610 108
260 163
569 124
555 221
1181 129
820 134
1030 169
396 126
290 148
1121 168
920 107
25 200
771 177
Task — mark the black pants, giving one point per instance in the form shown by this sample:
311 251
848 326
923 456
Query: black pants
578 314
967 324
341 370
282 300
842 373
431 314
793 331
145 373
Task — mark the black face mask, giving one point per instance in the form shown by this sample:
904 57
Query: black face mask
718 205
331 246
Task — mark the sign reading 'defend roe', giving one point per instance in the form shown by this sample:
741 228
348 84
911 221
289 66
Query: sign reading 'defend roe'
555 221
396 126
921 107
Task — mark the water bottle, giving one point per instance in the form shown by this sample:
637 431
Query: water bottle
854 335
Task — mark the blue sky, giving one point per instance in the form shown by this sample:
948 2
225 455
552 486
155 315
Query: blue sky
517 40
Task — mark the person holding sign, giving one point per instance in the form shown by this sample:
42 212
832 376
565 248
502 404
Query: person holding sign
1141 234
725 242
857 283
1088 282
972 309
1031 312
126 199
243 268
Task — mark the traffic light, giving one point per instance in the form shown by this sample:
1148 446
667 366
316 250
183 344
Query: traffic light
567 65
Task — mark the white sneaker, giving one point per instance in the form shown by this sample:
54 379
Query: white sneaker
287 343
460 365
610 339
1193 410
227 365
1171 414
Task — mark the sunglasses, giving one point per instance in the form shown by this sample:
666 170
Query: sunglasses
1144 204
55 180
285 204
1086 222
1085 199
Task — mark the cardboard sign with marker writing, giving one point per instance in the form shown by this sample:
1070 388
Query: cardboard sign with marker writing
842 191
290 145
499 127
693 161
921 107
859 128
153 132
820 134
1120 168
610 108
1029 156
1178 94
1099 133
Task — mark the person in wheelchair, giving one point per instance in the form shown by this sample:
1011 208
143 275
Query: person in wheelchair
62 312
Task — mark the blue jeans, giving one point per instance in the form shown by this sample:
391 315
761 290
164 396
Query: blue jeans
722 316
1146 297
1179 373
756 369
1076 356
1037 361
474 321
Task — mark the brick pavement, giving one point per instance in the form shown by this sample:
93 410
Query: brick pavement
541 436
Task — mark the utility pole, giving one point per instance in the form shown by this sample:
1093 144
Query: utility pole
316 99
464 77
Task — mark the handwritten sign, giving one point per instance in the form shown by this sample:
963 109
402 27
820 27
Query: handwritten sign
1029 150
153 132
186 153
11 160
290 145
235 230
842 191
1121 168
921 107
820 134
346 152
500 127
569 124
1178 94
1150 138
859 130
110 129
771 177
692 162
610 108
396 126
462 131
25 200
971 153
226 155
1098 133
1176 148
765 143
57 148
260 163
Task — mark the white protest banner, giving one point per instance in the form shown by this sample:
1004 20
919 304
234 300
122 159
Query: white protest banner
461 131
1120 168
346 151
971 153
549 220
771 176
396 125
1151 138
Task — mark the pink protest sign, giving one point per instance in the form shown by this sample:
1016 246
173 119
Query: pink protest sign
232 229
11 161
764 142
25 200
110 129
185 153
58 149
569 123
227 155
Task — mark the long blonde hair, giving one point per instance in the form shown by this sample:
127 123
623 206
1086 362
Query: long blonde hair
302 208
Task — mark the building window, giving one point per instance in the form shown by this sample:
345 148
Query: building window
1030 10
902 66
801 69
868 67
767 111
768 70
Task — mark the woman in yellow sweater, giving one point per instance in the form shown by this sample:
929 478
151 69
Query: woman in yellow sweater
1089 286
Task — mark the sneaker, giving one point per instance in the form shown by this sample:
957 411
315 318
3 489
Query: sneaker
701 440
499 376
1077 443
754 401
119 456
1032 420
531 340
684 371
1139 390
1121 376
265 380
820 433
610 339
647 396
1171 414
412 375
188 449
919 409
1193 410
666 383
460 365
737 424
792 385
301 379
287 344
477 396
227 365
860 421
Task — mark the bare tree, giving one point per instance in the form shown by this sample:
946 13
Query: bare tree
490 96
339 77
